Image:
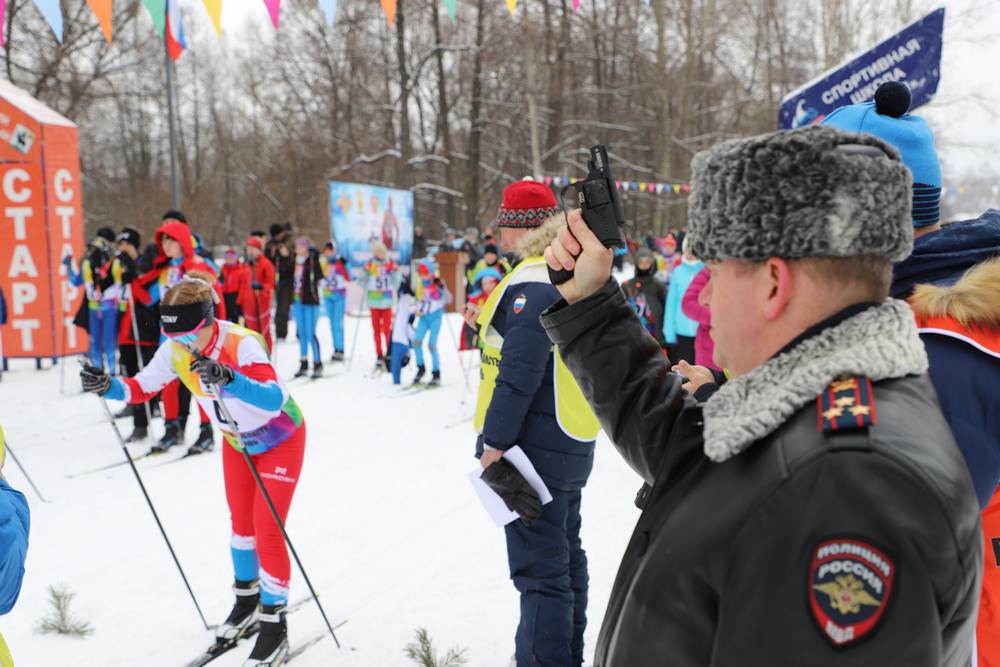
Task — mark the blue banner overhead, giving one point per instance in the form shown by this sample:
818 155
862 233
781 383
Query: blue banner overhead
913 55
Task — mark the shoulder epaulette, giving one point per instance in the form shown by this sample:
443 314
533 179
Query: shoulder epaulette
847 404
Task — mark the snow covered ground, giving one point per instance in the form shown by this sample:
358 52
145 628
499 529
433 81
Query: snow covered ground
384 520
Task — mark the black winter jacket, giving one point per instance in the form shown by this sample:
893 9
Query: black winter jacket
805 546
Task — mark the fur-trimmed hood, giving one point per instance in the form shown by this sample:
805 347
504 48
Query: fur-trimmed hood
880 342
533 243
973 301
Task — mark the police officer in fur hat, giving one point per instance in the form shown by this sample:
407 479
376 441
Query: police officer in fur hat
528 399
816 509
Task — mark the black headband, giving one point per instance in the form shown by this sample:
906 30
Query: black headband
186 318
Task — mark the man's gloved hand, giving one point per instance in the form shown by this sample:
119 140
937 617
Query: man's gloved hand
212 372
257 286
95 380
514 490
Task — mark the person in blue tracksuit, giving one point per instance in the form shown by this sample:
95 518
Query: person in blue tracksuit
15 523
528 398
100 274
334 289
432 297
679 330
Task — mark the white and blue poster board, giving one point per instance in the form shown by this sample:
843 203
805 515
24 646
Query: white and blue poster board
360 214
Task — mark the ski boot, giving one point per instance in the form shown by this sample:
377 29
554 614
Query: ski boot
317 370
205 441
272 642
303 368
243 616
338 355
172 436
421 371
138 433
380 363
435 379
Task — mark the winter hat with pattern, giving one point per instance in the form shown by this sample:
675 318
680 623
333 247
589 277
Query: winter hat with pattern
810 192
526 204
887 119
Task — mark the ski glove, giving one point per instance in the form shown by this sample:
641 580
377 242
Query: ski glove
514 490
256 286
212 372
95 380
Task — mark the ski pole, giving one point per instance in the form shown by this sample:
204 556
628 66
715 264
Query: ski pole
357 326
149 501
227 417
465 376
23 471
138 355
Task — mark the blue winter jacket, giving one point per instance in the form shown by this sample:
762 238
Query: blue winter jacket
675 322
522 411
967 379
942 257
14 525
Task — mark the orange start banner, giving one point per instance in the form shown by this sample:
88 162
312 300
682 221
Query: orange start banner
41 221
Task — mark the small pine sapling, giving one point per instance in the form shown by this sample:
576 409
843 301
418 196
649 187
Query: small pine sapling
422 653
61 621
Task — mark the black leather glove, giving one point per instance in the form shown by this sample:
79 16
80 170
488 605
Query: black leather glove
514 490
95 380
212 372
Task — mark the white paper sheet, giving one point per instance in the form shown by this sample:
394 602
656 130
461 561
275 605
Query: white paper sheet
492 503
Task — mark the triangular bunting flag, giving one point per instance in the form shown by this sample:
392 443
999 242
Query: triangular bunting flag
214 9
659 188
102 10
686 187
650 187
576 5
52 12
329 8
157 11
512 6
273 8
642 186
390 10
174 33
677 188
452 7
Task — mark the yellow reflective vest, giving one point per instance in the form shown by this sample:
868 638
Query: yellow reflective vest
573 413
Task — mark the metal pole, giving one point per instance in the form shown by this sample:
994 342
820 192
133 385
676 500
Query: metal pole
149 501
24 472
138 355
222 410
175 194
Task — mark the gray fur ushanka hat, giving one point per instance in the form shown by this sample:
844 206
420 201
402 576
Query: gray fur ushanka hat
811 192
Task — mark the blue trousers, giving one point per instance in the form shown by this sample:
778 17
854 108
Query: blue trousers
428 324
549 569
398 355
335 313
103 324
306 319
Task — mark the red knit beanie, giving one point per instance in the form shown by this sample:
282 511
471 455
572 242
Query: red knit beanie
253 241
526 204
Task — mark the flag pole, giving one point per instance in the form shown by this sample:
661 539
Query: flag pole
175 195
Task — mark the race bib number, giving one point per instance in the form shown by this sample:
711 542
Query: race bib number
380 283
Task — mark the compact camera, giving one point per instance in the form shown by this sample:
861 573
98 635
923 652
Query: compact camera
598 198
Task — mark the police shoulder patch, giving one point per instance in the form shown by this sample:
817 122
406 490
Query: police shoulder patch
846 404
850 585
520 301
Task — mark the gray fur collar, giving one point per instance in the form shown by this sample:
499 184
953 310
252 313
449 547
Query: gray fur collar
881 342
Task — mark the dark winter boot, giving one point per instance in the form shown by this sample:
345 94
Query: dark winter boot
380 363
243 616
303 368
421 372
138 433
317 370
205 441
272 641
172 436
435 379
337 356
